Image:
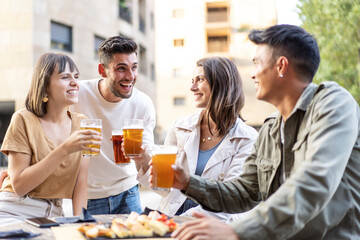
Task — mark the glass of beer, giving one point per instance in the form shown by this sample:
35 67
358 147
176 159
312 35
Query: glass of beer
133 133
93 124
162 159
117 139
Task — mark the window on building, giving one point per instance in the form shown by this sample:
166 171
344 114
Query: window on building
217 44
61 37
217 14
125 10
178 42
178 13
179 101
142 60
142 16
153 73
97 42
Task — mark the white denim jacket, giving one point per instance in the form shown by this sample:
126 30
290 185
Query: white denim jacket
226 162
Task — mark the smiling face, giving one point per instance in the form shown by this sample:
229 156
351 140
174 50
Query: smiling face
265 73
200 87
64 88
120 75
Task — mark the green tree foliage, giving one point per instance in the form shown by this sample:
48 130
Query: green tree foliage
336 26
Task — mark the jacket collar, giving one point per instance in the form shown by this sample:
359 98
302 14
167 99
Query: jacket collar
305 98
302 104
224 150
193 122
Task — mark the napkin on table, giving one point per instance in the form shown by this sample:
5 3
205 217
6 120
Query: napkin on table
14 234
85 216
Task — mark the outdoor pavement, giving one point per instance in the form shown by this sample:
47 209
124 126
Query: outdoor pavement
148 199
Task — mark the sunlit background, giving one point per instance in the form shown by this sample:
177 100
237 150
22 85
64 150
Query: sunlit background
171 34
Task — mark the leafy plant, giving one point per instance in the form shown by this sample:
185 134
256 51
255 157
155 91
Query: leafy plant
336 26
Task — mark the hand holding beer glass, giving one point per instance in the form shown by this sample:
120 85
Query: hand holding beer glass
133 133
162 173
93 124
117 139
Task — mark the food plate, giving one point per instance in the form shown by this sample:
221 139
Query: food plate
153 225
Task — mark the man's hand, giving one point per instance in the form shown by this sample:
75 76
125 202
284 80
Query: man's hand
181 178
204 227
143 160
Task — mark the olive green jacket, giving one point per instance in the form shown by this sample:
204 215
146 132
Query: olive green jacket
320 162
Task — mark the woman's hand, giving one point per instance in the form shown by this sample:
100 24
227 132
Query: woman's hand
79 140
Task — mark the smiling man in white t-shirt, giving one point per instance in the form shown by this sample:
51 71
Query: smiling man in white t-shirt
113 189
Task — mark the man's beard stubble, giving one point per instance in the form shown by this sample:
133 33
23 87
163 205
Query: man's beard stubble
114 91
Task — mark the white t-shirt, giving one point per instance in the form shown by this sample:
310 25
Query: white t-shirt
105 178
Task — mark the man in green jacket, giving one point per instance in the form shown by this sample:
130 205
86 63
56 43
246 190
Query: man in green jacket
302 180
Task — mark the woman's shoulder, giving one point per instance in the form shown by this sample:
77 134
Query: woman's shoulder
24 114
188 122
77 115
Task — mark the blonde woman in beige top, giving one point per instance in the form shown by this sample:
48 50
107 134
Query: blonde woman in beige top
44 146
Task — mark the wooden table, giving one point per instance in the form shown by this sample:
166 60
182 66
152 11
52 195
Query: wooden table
68 231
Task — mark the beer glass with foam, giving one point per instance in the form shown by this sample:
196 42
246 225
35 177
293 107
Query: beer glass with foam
93 124
162 159
117 139
133 134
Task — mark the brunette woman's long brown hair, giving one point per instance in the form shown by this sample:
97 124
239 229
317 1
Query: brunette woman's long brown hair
227 96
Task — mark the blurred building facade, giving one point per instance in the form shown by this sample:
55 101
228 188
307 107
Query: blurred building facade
172 35
29 28
189 30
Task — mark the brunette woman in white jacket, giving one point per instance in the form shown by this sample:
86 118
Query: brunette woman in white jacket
215 142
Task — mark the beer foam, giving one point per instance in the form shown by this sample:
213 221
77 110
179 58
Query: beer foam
91 126
117 132
133 127
161 149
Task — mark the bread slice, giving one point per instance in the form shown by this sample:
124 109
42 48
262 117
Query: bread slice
139 230
158 227
118 227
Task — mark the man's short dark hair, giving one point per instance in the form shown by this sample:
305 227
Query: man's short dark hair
293 42
113 45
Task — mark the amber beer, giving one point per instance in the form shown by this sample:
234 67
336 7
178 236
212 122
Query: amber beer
117 139
93 124
162 159
132 141
133 134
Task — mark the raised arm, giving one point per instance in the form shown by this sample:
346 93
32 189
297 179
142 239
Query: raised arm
25 177
320 167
